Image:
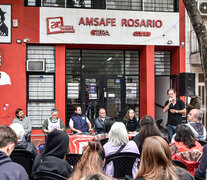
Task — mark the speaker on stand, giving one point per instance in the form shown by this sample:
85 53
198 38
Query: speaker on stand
187 87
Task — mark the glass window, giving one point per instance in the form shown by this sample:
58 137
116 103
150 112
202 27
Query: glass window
31 2
41 87
55 3
158 5
38 112
162 63
43 52
102 62
124 4
80 3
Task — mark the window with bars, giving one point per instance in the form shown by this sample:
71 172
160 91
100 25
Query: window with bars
159 5
41 86
162 63
137 5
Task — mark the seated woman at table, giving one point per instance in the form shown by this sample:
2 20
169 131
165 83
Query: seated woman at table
91 162
131 122
52 156
148 128
119 142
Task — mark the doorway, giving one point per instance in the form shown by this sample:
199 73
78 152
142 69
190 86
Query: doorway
102 78
106 92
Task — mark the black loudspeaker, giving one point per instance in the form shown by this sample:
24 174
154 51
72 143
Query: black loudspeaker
187 84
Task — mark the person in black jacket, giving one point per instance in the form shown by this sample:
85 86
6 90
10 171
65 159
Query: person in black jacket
20 132
131 122
201 170
53 154
148 128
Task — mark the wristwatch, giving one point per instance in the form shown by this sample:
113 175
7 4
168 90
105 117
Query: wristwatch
176 111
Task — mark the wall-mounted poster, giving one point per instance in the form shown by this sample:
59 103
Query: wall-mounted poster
5 23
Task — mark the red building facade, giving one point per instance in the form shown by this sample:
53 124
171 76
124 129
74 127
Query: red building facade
88 33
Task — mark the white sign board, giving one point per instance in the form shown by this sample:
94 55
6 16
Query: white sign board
73 90
131 90
91 26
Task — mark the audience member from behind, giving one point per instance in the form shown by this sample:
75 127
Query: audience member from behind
53 122
24 121
186 148
19 130
156 162
148 128
51 158
119 141
98 176
194 122
91 162
184 140
100 120
200 172
9 170
131 122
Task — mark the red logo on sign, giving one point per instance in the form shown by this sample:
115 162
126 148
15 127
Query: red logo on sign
141 33
55 25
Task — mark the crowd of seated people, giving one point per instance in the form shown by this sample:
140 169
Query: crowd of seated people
156 153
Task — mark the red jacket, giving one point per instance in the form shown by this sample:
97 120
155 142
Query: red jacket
190 157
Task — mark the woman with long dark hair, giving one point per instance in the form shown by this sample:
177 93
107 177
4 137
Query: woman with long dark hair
184 140
131 122
156 162
186 148
148 128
